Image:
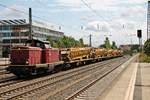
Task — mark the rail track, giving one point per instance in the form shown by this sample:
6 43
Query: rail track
3 70
88 92
66 91
55 86
4 74
9 81
95 88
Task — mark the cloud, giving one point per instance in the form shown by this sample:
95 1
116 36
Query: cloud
123 16
98 26
134 1
100 5
71 3
78 5
131 11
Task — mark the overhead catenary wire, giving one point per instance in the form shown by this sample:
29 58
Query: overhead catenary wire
97 14
81 27
23 12
26 13
42 19
16 10
85 2
70 27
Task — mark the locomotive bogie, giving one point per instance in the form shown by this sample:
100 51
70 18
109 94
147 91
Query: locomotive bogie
27 70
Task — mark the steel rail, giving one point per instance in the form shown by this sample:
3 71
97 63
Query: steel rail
53 78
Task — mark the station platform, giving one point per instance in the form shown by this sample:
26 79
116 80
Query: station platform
4 61
132 84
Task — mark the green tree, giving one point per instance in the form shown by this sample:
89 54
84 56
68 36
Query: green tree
114 45
107 44
49 38
81 43
102 46
135 48
147 47
66 42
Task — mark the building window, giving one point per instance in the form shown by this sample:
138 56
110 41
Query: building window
14 34
15 40
5 28
24 34
1 35
0 28
6 41
23 40
6 34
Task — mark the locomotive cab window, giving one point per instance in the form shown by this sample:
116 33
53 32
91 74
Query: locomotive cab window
47 44
35 43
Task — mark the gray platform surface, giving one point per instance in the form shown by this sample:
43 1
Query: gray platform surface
123 87
142 85
133 84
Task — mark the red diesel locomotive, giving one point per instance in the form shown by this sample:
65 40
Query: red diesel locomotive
35 57
38 57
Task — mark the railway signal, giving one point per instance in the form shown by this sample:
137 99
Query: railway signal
139 35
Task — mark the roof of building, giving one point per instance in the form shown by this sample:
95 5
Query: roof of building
13 22
52 27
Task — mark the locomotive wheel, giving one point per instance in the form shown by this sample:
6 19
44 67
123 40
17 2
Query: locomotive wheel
78 63
73 65
84 62
57 68
66 66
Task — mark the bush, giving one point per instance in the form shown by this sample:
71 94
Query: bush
144 58
146 47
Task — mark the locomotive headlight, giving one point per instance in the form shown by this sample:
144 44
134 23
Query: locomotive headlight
27 62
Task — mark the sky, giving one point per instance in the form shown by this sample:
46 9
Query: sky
117 19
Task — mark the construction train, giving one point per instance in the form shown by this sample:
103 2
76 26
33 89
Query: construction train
37 57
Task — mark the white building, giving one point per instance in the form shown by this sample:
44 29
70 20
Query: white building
16 32
148 21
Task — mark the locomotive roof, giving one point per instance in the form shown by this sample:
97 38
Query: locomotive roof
29 41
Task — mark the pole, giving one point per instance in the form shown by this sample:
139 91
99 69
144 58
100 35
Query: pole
139 35
10 42
90 40
147 19
30 23
131 43
140 44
